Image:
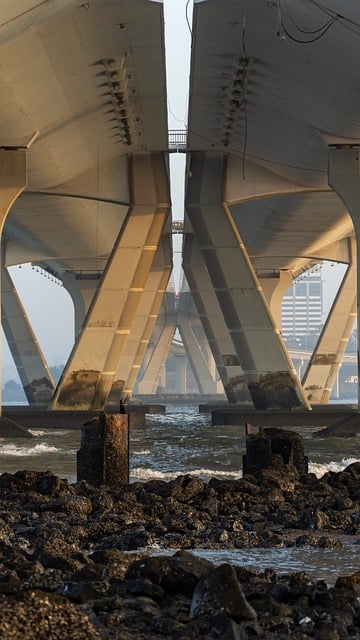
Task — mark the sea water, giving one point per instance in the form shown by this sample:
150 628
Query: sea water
184 441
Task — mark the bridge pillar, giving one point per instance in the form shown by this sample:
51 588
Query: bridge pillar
274 289
200 368
154 377
13 180
142 327
325 362
344 178
180 373
91 369
212 319
268 369
81 293
29 360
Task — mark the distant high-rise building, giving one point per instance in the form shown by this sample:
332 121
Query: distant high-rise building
302 309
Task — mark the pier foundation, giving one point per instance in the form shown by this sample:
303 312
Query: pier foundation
103 457
271 447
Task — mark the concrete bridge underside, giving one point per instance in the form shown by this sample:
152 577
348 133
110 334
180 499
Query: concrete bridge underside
272 189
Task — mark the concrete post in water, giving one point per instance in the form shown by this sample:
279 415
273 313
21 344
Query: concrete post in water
103 457
269 447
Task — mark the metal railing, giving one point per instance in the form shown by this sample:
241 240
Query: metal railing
177 140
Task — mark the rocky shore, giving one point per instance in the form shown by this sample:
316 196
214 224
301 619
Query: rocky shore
76 560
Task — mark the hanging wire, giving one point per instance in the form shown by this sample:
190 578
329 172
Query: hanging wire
187 16
235 152
318 33
334 14
309 31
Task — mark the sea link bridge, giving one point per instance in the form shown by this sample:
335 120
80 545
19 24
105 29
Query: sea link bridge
272 188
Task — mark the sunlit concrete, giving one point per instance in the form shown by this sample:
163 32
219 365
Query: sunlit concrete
267 368
86 86
344 177
91 370
13 180
85 83
142 327
213 322
274 287
272 102
328 354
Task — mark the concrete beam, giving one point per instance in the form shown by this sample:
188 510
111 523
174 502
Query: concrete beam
344 178
156 357
213 322
91 369
326 359
260 182
29 360
268 369
274 290
200 367
13 180
142 327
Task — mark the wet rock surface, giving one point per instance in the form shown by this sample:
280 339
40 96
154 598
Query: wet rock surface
78 561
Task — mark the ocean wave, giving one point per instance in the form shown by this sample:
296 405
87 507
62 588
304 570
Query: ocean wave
141 452
321 468
21 452
144 474
36 432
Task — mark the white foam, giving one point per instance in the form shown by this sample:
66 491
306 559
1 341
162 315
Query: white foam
142 452
21 452
144 474
37 432
320 469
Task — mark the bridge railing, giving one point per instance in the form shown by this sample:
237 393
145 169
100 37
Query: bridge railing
177 140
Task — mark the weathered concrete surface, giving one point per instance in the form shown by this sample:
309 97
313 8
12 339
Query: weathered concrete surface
103 457
320 416
11 429
345 427
273 447
35 418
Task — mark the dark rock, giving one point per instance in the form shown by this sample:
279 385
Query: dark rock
48 484
186 488
212 628
74 540
40 616
176 574
220 593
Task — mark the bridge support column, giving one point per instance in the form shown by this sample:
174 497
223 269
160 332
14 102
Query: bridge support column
29 360
142 327
344 178
274 290
180 374
326 359
81 293
268 369
212 319
91 369
13 181
154 374
200 368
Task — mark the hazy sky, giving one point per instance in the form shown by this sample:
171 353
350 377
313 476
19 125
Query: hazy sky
48 305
